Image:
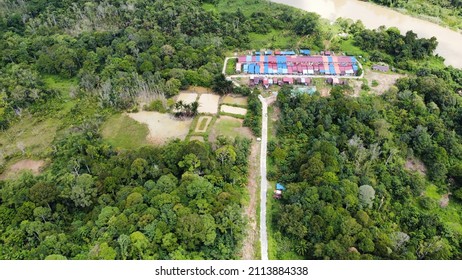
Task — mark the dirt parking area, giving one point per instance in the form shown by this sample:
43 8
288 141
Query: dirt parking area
235 100
208 103
162 127
187 97
233 110
27 164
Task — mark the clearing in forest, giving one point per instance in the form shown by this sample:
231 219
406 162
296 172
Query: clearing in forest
203 124
414 164
233 110
123 132
208 103
26 164
162 127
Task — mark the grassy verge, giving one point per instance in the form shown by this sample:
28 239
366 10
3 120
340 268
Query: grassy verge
121 131
231 66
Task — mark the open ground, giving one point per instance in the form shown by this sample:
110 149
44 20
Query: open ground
27 164
233 110
208 103
162 127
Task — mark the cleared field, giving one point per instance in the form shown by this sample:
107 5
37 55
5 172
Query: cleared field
242 101
123 132
162 127
208 103
28 136
187 97
233 110
203 124
27 164
229 127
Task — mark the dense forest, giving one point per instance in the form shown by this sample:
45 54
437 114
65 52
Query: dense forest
351 193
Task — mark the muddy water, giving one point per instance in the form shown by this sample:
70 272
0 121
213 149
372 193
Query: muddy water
373 16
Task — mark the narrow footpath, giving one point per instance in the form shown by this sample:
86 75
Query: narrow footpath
264 181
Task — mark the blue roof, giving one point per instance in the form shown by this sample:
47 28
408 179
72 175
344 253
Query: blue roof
280 187
305 52
257 53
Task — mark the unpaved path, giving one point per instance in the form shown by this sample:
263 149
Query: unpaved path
248 247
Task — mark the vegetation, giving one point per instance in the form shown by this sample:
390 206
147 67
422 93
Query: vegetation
67 73
181 201
348 195
447 12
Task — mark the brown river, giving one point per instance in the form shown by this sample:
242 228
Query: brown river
373 16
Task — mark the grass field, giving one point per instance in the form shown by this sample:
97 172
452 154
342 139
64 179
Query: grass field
28 137
123 132
227 127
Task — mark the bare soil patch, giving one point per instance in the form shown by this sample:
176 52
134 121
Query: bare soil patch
162 127
236 100
233 110
208 103
413 164
203 124
187 97
26 164
385 80
444 201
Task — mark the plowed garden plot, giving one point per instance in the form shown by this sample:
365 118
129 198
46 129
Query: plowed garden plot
208 103
203 124
233 110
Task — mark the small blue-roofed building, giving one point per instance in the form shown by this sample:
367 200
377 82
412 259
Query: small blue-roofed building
280 187
257 53
305 52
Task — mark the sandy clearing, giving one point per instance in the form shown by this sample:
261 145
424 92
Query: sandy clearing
233 110
26 164
187 97
208 119
162 127
229 99
208 103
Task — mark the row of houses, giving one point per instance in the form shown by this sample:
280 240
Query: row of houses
305 52
297 65
269 81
